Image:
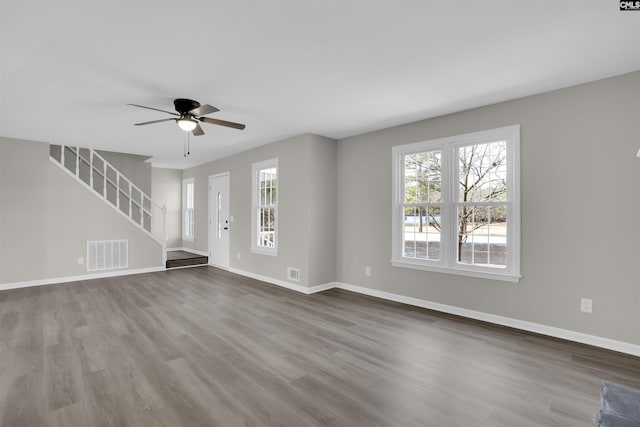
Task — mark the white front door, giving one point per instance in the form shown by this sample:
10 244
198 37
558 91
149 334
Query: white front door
219 220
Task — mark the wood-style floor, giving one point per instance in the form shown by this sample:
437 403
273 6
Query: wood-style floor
203 347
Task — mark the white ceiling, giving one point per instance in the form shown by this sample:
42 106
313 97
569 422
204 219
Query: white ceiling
285 67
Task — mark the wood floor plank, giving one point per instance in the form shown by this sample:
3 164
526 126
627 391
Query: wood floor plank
205 347
24 405
60 382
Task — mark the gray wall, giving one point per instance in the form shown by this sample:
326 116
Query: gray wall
134 167
306 207
580 204
322 187
46 218
166 189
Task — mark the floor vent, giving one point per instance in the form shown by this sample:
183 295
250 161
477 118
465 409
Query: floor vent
293 274
107 254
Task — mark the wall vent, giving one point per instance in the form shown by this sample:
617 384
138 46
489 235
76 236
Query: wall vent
107 254
293 274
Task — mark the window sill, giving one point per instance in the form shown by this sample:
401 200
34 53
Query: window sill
188 239
504 277
271 252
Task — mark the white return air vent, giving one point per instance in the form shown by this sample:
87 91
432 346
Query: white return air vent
293 274
107 254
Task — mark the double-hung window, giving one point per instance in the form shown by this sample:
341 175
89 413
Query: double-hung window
265 207
456 205
188 196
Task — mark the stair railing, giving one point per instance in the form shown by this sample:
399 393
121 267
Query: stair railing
98 175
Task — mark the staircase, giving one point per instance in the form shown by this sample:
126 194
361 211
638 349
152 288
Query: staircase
91 170
180 259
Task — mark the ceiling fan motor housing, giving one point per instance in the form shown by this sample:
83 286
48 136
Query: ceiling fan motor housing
183 105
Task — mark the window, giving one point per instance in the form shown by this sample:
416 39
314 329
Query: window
265 207
456 205
188 195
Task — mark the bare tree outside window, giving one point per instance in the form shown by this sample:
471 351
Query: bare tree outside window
422 198
482 209
456 204
481 205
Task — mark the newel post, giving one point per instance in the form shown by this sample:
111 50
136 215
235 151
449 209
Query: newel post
164 234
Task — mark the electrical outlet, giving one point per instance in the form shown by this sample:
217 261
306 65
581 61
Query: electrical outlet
80 260
586 305
367 271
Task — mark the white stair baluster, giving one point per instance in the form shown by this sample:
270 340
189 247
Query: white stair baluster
104 179
142 209
153 207
164 233
118 189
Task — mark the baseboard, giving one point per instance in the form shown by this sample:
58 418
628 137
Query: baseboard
193 251
55 280
579 337
322 287
619 346
565 334
219 266
298 288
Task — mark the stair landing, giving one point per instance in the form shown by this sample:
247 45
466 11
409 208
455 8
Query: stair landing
185 259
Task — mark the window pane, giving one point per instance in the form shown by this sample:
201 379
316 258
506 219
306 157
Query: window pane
267 185
190 195
482 235
421 238
482 172
264 193
266 227
188 222
422 177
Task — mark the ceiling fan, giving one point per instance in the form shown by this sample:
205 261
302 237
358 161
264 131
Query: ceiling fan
189 113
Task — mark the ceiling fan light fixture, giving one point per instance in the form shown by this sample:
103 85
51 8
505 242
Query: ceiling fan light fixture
187 124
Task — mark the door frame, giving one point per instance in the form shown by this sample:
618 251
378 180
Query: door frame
211 219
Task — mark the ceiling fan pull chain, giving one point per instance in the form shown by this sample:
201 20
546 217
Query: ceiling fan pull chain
184 151
188 145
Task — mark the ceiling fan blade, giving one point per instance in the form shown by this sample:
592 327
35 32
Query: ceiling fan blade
203 110
155 109
222 123
197 131
153 121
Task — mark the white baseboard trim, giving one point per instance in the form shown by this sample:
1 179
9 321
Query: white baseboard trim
55 280
620 346
193 251
579 337
552 331
322 287
298 288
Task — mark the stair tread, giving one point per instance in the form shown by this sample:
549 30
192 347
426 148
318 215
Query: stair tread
184 258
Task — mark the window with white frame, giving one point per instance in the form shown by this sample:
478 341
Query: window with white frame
456 205
265 207
188 196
